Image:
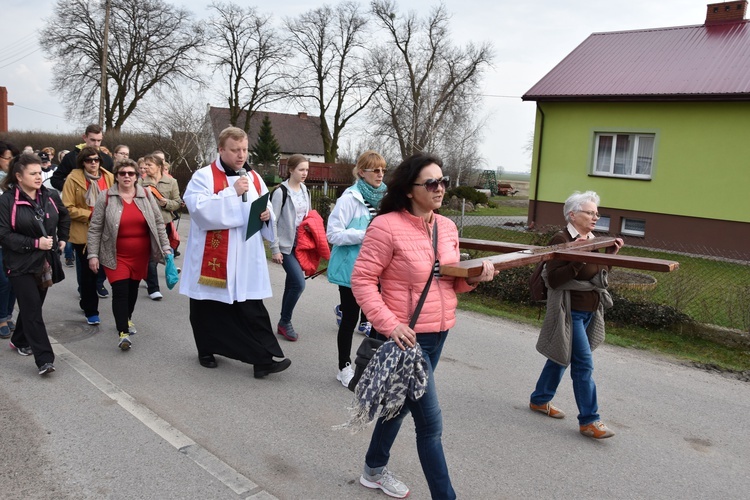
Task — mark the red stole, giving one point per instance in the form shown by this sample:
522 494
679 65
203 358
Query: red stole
216 247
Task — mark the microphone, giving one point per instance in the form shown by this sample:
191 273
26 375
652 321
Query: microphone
243 173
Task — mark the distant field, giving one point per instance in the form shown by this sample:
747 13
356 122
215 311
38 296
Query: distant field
513 176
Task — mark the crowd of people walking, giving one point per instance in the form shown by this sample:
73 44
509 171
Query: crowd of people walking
113 218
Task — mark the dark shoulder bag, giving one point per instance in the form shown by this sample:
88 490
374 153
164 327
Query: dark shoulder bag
371 344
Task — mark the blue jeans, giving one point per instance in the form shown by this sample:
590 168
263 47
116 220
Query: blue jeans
69 250
7 297
428 422
293 287
581 371
152 277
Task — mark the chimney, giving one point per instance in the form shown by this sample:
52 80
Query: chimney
726 12
4 109
303 116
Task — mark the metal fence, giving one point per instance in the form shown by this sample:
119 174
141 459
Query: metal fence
710 287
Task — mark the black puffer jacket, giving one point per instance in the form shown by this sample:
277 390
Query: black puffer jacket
20 230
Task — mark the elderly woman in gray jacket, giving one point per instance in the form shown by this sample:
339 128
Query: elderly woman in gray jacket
574 323
291 202
126 231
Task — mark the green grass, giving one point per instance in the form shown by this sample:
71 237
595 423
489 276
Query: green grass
670 344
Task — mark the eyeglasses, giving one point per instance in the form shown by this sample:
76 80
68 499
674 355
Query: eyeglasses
431 185
91 160
591 213
6 157
126 173
378 171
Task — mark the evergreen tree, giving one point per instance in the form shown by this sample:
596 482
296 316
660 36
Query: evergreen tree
266 151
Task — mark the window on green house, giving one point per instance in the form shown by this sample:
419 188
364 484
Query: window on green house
624 155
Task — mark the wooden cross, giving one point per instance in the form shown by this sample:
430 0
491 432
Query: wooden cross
516 255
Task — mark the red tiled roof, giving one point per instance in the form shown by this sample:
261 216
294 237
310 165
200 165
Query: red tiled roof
680 63
295 134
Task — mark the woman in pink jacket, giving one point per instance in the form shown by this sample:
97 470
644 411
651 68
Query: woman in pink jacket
397 253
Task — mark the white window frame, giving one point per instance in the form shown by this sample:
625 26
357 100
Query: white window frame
630 231
608 170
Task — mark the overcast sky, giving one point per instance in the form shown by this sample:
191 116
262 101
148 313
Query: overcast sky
530 38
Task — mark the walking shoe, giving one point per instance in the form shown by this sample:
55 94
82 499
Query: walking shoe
46 368
69 262
125 341
24 351
260 371
11 325
93 320
387 482
596 430
156 295
548 409
364 328
286 330
102 292
337 312
345 375
5 332
131 328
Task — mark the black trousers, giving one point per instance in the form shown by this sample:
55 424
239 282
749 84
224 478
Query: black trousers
350 311
87 282
124 297
30 329
241 330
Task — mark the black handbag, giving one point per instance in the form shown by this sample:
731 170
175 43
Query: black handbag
371 344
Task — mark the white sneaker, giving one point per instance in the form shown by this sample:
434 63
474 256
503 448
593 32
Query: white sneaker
155 296
386 482
345 375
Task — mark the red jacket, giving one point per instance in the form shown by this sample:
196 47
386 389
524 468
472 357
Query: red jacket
311 245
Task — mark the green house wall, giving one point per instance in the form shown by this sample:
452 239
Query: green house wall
701 164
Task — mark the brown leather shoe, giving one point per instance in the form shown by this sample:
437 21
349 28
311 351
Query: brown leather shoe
548 409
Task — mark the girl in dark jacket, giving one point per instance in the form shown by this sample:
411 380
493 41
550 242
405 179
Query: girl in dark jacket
34 227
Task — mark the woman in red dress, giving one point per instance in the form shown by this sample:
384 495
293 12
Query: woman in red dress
126 231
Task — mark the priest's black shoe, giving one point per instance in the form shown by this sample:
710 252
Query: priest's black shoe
208 361
261 371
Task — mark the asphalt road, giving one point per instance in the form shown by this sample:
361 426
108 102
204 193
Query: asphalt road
151 423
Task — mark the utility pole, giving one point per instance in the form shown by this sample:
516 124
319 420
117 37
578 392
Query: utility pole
105 44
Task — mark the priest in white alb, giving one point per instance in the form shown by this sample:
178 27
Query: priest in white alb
224 274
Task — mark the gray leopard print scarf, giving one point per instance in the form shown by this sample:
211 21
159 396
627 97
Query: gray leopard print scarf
390 377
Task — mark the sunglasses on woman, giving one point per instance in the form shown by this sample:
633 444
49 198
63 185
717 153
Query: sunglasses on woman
431 185
94 159
126 173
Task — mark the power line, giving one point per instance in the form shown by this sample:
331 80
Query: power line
20 58
15 52
18 41
37 111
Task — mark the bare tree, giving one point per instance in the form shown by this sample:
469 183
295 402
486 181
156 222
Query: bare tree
152 44
179 124
248 51
333 72
430 85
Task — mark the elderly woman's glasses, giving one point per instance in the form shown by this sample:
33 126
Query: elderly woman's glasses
126 173
431 185
91 160
591 213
